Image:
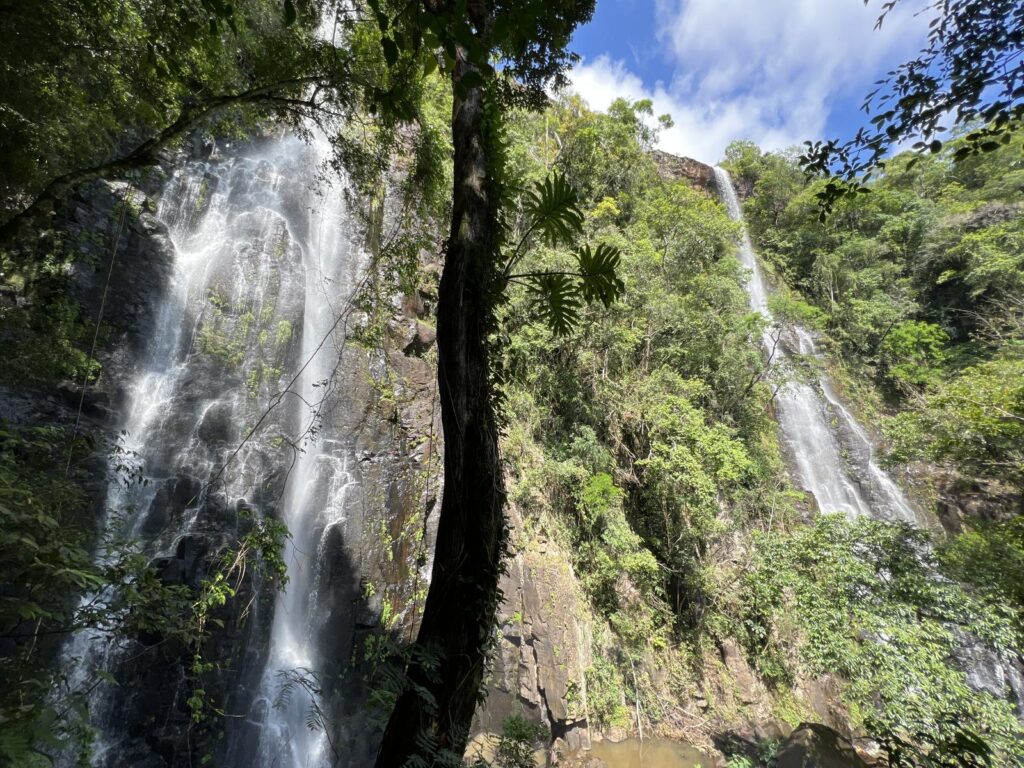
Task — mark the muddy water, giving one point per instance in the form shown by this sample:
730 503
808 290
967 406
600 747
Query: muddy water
650 753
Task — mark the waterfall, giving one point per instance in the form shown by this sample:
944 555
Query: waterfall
832 454
264 268
316 499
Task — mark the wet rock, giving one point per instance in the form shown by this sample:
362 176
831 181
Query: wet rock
217 424
581 760
772 730
545 647
988 671
423 338
813 745
739 741
172 498
991 214
615 734
738 668
825 699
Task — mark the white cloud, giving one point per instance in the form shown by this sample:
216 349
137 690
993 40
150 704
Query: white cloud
767 70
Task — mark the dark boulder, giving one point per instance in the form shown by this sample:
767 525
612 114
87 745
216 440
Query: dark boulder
813 745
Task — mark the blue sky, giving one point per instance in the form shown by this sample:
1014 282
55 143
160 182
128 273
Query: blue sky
774 71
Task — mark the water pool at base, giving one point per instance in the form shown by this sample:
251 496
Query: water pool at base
650 753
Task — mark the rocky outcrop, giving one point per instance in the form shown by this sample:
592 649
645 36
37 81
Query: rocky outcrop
545 648
674 167
816 746
119 262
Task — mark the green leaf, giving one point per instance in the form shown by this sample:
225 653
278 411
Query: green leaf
556 301
598 270
552 208
382 18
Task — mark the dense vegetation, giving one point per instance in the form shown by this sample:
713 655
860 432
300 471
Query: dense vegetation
608 326
918 287
645 441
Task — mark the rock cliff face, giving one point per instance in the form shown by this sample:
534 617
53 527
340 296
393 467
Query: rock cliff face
675 167
115 234
242 339
545 649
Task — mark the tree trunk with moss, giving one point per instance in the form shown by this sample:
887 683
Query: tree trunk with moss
459 613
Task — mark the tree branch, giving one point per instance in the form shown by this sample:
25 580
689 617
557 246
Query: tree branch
190 117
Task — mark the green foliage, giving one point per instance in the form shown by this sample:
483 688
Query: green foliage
551 207
974 421
874 606
519 739
605 155
47 548
259 555
605 695
968 72
913 352
644 441
76 75
99 87
990 558
956 747
599 271
522 48
773 178
638 428
57 319
790 308
550 210
639 431
557 301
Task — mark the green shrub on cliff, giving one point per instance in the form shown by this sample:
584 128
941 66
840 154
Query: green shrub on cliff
875 607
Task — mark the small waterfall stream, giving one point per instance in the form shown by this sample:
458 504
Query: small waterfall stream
832 454
833 458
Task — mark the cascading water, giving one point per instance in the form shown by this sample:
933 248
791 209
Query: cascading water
833 456
316 500
264 264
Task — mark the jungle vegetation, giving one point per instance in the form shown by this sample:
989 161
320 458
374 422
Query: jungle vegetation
612 360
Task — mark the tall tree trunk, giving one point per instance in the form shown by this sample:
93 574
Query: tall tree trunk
459 613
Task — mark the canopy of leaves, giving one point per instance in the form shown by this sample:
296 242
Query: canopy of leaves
526 44
872 606
971 71
101 87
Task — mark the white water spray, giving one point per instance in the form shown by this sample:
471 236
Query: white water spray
263 256
842 477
